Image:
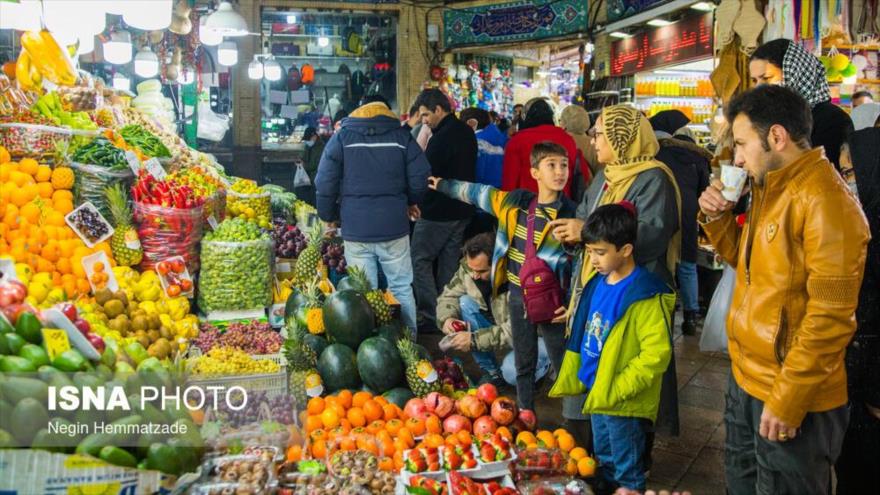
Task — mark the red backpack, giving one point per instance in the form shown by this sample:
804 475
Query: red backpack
542 293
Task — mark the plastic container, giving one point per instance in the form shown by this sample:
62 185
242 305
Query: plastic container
438 474
89 262
165 232
534 464
92 182
496 468
34 140
223 488
175 275
236 275
560 485
54 318
101 231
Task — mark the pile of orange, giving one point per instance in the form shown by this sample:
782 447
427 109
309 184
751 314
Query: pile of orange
32 226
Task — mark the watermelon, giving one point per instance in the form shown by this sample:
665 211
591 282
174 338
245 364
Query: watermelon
345 283
379 364
348 318
316 343
294 309
392 332
398 396
338 368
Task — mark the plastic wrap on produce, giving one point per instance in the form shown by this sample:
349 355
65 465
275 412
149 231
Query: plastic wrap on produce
165 232
92 182
236 275
33 140
215 206
248 205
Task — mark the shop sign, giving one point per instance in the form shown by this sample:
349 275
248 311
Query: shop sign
525 20
687 39
621 9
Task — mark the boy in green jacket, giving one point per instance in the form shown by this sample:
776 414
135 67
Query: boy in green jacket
619 347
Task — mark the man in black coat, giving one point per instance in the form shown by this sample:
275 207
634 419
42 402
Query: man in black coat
439 232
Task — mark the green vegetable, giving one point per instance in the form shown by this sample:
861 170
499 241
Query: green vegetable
117 456
144 140
103 153
35 354
70 360
311 467
15 364
28 417
28 326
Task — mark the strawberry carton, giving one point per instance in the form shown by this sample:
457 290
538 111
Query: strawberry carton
423 485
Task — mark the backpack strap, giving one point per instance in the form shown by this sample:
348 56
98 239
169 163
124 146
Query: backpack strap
530 229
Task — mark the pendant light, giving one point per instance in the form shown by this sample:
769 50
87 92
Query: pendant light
83 17
227 22
208 36
148 15
121 82
227 53
272 69
23 16
117 50
255 69
146 63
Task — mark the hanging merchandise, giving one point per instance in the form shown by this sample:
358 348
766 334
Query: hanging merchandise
480 81
294 78
308 74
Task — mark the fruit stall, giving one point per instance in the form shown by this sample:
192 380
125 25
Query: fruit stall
133 266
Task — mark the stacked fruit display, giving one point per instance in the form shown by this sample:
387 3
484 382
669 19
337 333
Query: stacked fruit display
227 361
289 240
203 186
246 199
253 337
236 268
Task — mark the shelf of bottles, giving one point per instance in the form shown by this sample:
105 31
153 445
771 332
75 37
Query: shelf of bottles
692 94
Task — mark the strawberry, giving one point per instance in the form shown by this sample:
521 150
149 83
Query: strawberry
451 460
487 453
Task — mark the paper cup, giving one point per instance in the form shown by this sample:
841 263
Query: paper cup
734 179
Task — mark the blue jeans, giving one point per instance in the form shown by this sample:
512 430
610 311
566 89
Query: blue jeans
620 443
687 285
394 258
470 313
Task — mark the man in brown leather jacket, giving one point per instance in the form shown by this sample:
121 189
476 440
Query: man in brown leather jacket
799 263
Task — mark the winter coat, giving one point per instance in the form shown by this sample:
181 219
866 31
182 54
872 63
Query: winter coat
370 172
634 356
498 336
690 166
312 158
452 153
490 155
517 157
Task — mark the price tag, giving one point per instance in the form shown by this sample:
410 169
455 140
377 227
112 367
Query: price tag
282 268
133 163
213 222
56 342
7 270
426 372
155 169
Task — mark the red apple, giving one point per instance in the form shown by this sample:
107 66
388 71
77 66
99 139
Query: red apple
456 423
96 341
415 408
527 416
487 393
484 425
83 326
504 411
69 311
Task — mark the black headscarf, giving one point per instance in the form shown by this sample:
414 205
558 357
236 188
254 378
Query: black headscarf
539 113
669 121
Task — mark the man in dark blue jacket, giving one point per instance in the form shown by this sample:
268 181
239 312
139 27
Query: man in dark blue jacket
371 177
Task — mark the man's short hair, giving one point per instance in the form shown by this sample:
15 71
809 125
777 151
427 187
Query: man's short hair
481 116
770 105
862 94
614 224
433 98
374 98
544 149
479 244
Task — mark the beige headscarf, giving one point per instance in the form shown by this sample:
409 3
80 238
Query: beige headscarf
576 122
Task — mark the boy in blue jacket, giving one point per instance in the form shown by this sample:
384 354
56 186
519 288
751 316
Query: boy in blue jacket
620 346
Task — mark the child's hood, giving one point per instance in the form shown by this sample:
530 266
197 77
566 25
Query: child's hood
645 286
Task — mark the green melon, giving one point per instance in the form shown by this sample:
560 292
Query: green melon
392 332
348 318
379 364
338 368
399 396
345 283
316 343
294 309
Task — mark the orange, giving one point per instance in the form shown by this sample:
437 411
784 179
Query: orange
434 440
386 464
345 423
406 436
360 398
20 179
330 418
83 286
319 449
347 443
578 453
565 442
356 417
452 440
393 426
62 194
398 460
571 467
45 190
63 206
43 174
376 426
315 406
387 447
340 411
433 424
525 438
504 432
294 453
365 442
28 166
586 467
559 431
30 212
18 197
400 445
464 437
381 400
318 434
416 426
4 154
344 398
389 412
313 423
372 410
54 219
547 438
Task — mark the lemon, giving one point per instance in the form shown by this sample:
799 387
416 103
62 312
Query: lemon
38 291
839 62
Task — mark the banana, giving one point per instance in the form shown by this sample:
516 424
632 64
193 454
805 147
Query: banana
23 72
49 57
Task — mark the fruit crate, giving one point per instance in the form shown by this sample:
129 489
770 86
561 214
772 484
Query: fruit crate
194 352
264 382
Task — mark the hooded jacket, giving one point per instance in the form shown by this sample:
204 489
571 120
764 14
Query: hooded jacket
496 337
370 172
634 357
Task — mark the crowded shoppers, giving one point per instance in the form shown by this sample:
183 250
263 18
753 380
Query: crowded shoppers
522 241
785 62
788 328
576 122
371 177
537 126
490 145
690 166
858 473
469 299
439 232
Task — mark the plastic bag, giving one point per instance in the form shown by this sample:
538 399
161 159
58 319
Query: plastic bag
92 182
166 232
714 337
301 179
211 126
236 275
215 206
249 206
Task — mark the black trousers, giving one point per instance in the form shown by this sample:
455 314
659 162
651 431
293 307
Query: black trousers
858 467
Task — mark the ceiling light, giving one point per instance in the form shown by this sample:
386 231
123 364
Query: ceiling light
23 16
149 15
227 21
323 41
703 6
227 53
255 69
620 35
84 17
291 19
121 82
146 63
117 50
272 70
208 36
659 22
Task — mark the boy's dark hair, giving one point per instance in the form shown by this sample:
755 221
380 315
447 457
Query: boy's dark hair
374 98
433 98
481 116
772 51
614 224
862 94
479 244
544 149
770 105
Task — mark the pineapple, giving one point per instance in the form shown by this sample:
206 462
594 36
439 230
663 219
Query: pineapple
302 362
376 297
125 244
414 364
314 313
306 267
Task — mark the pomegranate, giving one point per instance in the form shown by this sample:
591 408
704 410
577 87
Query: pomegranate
527 416
484 425
415 408
439 404
504 411
471 407
487 393
12 292
456 423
